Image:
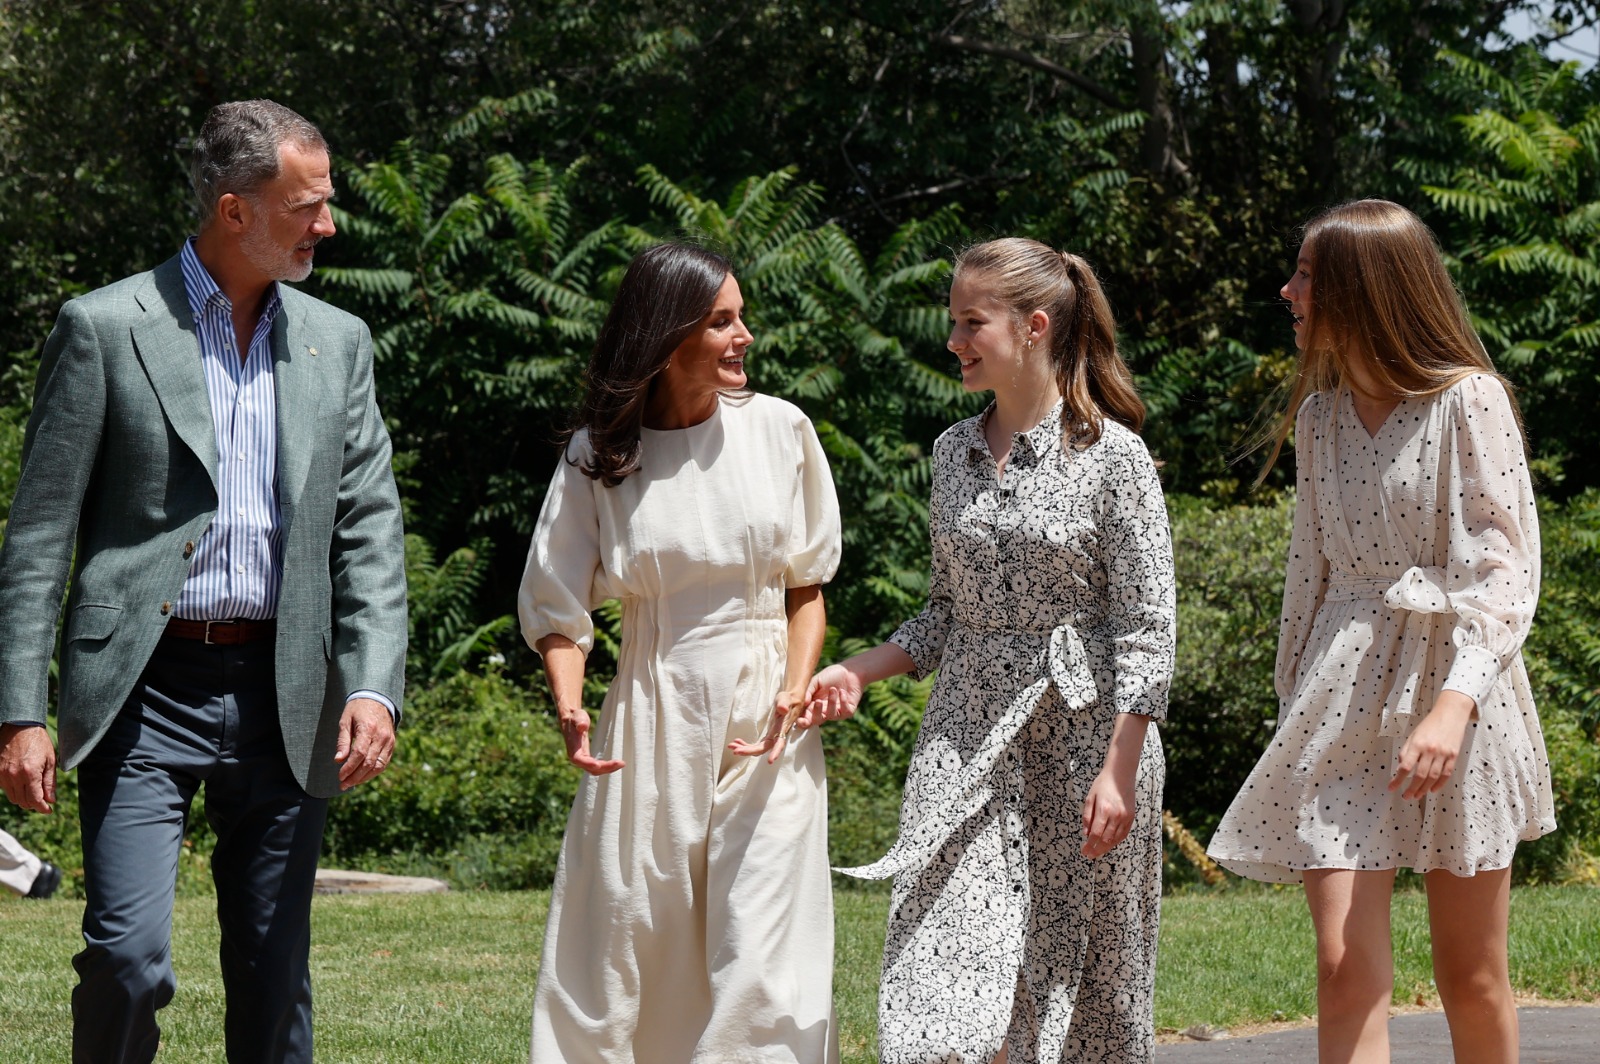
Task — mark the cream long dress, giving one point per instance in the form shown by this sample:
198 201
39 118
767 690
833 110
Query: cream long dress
692 913
1413 568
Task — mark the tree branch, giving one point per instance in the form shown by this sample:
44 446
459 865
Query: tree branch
930 190
1086 85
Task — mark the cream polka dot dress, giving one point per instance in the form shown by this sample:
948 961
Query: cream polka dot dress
1413 568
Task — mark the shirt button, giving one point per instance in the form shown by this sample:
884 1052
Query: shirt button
241 511
241 568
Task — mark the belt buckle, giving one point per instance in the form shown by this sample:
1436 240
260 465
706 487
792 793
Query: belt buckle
208 640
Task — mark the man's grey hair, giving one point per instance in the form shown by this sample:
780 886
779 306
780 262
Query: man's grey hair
237 150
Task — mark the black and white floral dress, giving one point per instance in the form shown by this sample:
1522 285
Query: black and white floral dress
1051 611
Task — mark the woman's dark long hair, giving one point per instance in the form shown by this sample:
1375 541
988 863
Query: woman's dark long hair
664 295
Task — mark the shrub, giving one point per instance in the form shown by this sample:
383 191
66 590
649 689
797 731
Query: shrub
1222 709
478 792
1563 656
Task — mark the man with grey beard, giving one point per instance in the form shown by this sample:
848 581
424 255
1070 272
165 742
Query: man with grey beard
208 440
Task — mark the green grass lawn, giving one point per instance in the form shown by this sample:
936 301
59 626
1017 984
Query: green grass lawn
449 978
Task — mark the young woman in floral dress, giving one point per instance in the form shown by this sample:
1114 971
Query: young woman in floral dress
1027 875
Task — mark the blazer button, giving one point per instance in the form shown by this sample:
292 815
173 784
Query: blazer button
166 608
188 549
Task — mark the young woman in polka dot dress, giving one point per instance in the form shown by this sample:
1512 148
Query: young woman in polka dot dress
1027 875
1407 735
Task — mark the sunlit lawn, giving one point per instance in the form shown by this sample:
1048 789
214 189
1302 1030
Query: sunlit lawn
449 978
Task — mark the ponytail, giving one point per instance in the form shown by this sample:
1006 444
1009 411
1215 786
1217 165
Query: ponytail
1094 379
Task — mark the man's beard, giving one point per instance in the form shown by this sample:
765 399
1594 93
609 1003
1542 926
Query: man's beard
267 256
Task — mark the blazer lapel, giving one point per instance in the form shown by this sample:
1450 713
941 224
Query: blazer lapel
166 345
295 380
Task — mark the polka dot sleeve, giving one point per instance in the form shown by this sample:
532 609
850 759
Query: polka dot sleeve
1493 553
1305 579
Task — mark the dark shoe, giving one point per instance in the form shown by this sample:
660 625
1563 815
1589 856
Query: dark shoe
46 882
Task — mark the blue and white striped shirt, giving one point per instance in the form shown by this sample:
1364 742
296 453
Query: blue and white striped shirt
237 567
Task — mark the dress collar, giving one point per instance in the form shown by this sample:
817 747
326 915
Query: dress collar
1035 443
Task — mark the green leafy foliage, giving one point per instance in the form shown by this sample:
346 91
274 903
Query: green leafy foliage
1222 709
1563 655
480 780
1521 215
444 634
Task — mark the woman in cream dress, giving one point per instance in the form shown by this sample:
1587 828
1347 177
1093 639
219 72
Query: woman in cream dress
692 915
1407 736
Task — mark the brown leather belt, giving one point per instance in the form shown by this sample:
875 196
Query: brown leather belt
221 633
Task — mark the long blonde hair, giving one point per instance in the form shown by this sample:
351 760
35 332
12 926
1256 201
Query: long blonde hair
1380 294
1027 276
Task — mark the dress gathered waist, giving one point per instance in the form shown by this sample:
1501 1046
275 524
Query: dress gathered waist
970 788
987 626
1419 594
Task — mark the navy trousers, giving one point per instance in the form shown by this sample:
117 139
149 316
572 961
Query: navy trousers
198 715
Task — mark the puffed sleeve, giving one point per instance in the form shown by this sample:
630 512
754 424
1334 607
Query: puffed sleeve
1141 589
1493 572
814 529
923 636
1305 580
558 583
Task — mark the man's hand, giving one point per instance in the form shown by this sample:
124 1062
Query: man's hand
366 741
28 766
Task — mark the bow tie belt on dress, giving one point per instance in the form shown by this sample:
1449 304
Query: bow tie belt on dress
969 788
1419 593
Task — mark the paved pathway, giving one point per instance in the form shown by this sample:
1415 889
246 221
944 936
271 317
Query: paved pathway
338 881
1569 1035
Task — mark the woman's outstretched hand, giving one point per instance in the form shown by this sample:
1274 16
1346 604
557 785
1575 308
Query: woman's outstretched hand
786 712
1429 754
833 694
575 730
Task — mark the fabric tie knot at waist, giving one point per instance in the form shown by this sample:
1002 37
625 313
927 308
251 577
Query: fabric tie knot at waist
1419 593
1420 589
959 795
1069 668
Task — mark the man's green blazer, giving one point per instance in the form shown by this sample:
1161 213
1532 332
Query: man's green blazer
120 462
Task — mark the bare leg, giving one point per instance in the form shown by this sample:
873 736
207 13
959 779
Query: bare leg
1000 1057
1355 963
1467 918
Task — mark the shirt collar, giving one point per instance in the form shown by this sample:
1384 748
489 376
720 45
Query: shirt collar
1036 442
203 290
